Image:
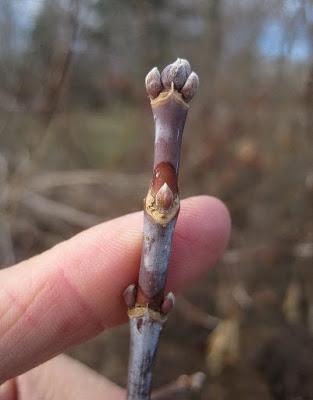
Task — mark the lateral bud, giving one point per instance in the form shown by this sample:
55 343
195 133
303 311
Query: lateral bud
168 303
190 87
130 294
164 197
177 72
153 83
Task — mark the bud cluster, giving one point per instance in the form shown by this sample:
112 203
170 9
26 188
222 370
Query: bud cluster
177 75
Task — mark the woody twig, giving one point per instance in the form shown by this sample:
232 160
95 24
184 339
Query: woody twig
148 306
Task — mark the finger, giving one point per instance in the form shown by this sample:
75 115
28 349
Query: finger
65 378
8 390
61 378
73 291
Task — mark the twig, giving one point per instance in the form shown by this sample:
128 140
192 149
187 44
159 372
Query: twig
51 180
196 315
52 95
61 63
7 256
299 250
169 93
52 209
3 179
182 386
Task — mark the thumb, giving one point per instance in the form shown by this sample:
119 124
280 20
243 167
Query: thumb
61 378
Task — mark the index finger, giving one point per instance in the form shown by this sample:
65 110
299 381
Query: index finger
73 291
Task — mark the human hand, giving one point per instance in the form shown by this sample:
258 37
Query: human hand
74 291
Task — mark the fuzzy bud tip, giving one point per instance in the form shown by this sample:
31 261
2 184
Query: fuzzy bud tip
153 83
190 87
168 303
129 295
176 73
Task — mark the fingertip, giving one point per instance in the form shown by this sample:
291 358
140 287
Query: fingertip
201 236
216 221
209 212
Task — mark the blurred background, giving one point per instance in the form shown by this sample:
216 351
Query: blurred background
76 141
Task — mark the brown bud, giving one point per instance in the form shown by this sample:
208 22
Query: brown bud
153 83
190 87
164 197
129 295
177 72
168 303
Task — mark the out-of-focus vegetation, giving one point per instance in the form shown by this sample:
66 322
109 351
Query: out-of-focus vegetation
76 145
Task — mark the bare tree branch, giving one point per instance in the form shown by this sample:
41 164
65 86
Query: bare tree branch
48 209
181 387
195 314
50 180
7 256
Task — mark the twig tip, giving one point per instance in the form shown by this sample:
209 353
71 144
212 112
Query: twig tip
175 76
176 73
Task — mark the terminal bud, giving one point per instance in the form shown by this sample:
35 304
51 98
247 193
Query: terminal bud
176 73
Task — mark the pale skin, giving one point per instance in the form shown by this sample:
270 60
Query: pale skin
73 291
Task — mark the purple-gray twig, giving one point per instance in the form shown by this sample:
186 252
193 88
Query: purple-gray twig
148 307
